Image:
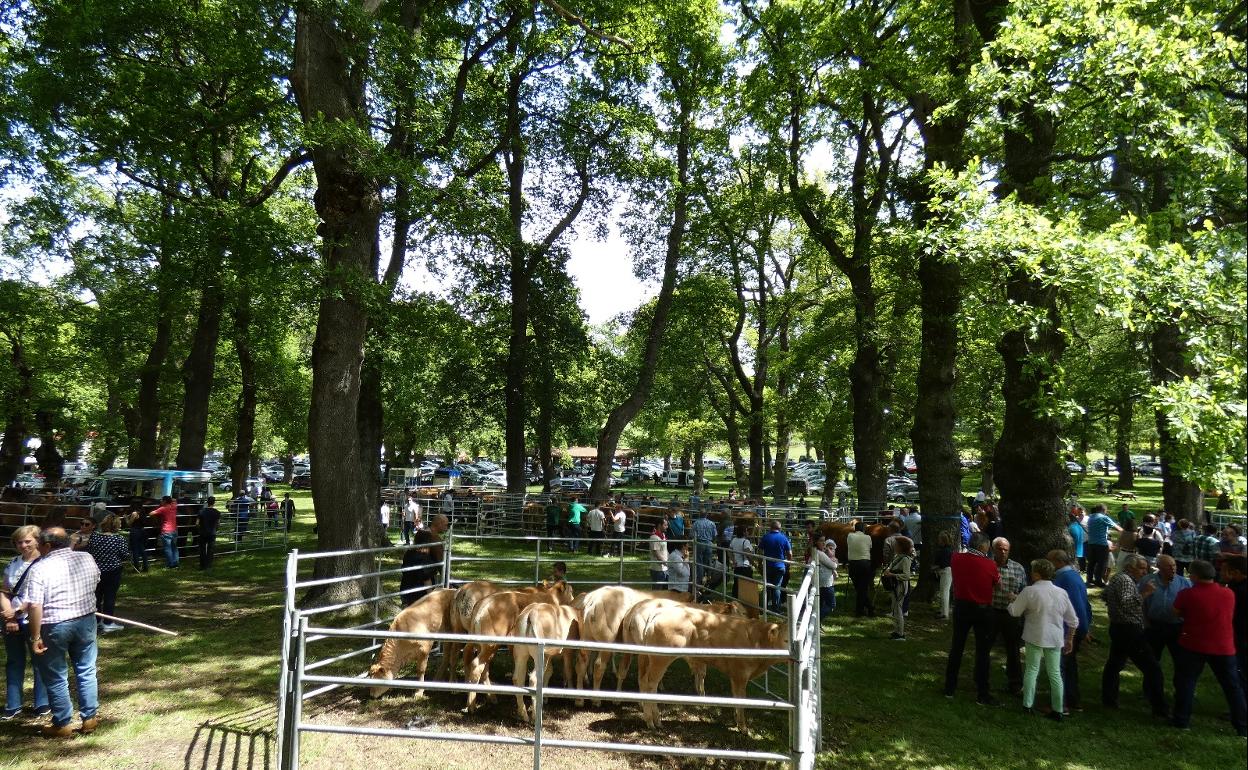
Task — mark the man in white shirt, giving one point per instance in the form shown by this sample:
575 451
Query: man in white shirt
861 573
619 522
411 518
58 597
595 520
658 555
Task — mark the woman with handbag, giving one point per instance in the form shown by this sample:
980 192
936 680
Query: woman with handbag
16 631
896 580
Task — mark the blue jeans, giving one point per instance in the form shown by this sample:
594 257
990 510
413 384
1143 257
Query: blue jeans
16 650
169 542
777 578
75 638
827 601
704 553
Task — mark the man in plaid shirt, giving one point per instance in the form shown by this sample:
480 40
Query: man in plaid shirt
1005 626
59 598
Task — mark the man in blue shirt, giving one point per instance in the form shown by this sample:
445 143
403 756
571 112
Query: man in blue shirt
775 545
1161 626
704 533
1097 547
1068 579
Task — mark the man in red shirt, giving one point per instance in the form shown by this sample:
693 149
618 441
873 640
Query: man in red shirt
1207 609
167 514
974 575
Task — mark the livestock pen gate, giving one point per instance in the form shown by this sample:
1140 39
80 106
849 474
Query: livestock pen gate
353 645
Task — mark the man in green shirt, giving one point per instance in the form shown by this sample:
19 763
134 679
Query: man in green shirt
553 511
574 525
1125 515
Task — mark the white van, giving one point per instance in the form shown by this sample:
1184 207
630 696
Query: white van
677 478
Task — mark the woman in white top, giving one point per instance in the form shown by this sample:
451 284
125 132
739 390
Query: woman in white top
678 569
16 630
823 551
1049 624
742 551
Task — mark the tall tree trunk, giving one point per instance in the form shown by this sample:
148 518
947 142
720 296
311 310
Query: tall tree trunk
754 440
370 422
13 448
1122 445
1027 458
329 87
626 410
197 376
149 411
519 272
51 462
1180 496
940 298
240 459
699 470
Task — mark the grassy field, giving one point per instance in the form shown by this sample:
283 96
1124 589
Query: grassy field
206 699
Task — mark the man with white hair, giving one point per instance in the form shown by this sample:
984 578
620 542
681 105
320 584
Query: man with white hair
1005 626
1127 640
58 598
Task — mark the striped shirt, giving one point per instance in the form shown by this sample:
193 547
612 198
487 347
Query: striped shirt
63 584
1013 581
110 551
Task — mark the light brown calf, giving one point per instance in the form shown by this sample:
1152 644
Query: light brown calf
542 621
495 615
662 623
429 615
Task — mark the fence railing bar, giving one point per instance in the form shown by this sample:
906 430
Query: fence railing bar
637 649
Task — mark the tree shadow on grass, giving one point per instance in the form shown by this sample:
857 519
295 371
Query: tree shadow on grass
244 739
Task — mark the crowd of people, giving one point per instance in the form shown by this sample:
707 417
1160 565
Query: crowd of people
1166 591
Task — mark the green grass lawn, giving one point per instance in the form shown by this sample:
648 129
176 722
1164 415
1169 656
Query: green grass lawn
206 699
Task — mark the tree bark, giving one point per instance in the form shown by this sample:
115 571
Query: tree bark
245 437
149 411
197 376
13 448
626 410
1122 445
328 80
51 462
1180 496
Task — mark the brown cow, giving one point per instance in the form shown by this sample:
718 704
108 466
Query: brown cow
663 623
837 532
542 621
494 616
431 614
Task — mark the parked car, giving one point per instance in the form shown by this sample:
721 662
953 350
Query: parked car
28 481
569 484
1074 467
1150 468
301 481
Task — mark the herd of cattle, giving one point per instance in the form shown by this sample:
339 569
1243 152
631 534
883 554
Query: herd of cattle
616 614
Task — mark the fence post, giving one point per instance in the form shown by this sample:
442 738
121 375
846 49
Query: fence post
537 563
296 710
539 680
284 679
